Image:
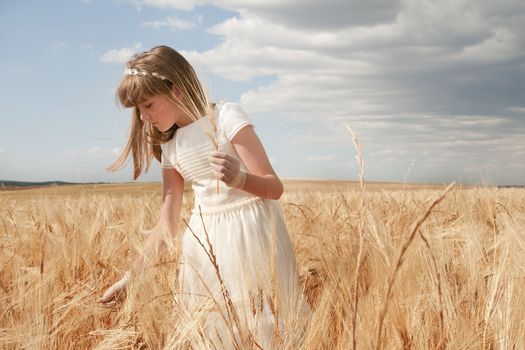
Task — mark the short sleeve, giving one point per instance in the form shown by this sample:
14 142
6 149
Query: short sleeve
166 159
232 119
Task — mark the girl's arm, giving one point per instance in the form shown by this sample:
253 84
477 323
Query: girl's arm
261 180
173 189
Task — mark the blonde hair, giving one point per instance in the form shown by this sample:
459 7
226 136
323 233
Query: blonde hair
163 68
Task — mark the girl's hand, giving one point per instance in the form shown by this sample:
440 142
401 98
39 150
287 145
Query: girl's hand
116 292
227 168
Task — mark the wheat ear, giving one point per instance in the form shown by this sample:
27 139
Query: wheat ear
399 262
441 344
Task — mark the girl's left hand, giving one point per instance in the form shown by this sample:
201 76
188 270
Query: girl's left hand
116 292
226 168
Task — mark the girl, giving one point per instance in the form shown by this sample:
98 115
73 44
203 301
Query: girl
238 270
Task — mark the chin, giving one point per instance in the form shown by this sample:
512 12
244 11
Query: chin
161 129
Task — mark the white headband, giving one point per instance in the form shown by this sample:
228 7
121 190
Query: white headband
136 72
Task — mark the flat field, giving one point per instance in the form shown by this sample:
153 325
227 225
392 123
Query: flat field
423 276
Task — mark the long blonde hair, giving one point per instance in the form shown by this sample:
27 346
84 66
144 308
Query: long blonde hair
170 69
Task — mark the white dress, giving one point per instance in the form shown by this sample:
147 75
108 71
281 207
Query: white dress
240 237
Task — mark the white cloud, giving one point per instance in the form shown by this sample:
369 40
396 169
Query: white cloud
177 4
120 55
297 13
517 109
435 81
175 23
501 46
424 58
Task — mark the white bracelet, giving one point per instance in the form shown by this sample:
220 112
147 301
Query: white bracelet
239 180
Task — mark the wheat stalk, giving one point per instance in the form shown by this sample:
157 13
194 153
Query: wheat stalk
275 292
399 262
442 340
360 228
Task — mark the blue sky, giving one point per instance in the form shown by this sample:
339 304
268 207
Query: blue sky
434 90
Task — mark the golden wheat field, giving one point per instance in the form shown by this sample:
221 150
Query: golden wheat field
392 269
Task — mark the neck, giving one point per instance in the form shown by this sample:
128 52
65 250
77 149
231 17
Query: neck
185 121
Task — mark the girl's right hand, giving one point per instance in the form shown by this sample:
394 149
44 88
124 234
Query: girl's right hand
116 292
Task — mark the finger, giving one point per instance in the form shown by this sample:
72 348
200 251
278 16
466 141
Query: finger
222 155
223 163
219 154
219 161
215 167
110 304
227 156
108 296
220 168
104 300
217 175
225 172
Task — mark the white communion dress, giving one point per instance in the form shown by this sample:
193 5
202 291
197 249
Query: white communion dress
235 248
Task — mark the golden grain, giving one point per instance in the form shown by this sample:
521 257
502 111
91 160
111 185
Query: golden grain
459 287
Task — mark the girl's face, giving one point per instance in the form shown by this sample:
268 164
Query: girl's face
161 112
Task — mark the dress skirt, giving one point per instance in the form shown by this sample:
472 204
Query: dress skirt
238 280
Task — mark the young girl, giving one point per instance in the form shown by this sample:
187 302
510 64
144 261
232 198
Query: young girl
238 270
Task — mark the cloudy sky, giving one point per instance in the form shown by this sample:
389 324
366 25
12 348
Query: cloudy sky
435 90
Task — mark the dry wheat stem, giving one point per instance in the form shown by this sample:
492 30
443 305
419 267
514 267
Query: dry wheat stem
360 228
442 342
214 139
247 338
228 321
399 262
273 267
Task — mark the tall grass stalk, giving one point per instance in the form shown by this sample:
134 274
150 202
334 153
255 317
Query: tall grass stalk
399 262
360 228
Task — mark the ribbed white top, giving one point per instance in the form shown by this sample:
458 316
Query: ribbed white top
189 149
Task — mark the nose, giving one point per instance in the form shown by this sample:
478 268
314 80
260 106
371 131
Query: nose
143 116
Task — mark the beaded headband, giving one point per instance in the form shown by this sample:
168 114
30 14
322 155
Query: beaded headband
136 72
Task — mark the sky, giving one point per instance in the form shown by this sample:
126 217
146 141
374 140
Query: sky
435 90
